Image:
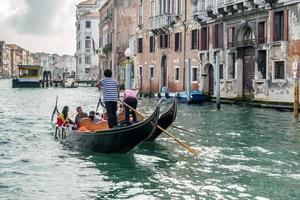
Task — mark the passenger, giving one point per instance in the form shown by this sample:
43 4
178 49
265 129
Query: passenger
97 118
80 115
63 119
92 115
130 98
110 96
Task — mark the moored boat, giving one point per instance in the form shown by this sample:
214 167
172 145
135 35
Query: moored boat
29 77
196 96
116 140
165 120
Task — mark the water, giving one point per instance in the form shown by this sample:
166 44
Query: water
245 153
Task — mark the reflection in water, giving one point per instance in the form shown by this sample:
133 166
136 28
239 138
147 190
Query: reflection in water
245 153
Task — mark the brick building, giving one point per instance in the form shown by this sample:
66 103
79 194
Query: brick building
117 24
257 42
165 39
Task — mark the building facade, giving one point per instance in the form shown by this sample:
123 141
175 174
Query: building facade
177 43
12 55
117 25
55 63
5 60
87 34
257 42
164 44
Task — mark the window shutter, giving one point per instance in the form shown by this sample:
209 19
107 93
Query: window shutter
207 37
273 27
198 38
286 25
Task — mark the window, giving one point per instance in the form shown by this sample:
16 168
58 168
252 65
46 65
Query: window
151 72
278 25
177 7
261 33
152 44
221 72
79 45
164 41
218 28
152 8
140 45
78 27
230 37
87 60
88 42
231 66
177 46
194 74
80 60
87 24
141 12
176 73
165 6
279 69
262 64
195 39
204 38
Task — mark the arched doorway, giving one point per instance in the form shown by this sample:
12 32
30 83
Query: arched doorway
245 40
164 71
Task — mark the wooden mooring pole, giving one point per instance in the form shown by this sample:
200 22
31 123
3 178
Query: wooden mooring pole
218 93
296 89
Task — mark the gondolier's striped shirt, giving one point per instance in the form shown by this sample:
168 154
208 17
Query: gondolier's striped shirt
110 89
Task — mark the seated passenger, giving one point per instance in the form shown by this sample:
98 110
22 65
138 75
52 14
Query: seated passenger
63 119
97 118
92 115
80 115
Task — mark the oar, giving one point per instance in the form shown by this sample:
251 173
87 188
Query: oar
193 151
98 104
182 129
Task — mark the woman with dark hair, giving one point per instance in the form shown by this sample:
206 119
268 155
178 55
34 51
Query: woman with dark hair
63 119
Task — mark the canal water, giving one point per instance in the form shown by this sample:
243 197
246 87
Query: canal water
245 153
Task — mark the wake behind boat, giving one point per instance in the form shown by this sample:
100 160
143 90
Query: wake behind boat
116 140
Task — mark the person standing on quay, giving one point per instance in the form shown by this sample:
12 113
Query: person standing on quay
110 96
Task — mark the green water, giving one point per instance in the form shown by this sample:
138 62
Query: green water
245 153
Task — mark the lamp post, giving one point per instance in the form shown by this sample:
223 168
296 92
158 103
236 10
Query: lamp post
128 54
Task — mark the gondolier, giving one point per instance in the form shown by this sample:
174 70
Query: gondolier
110 89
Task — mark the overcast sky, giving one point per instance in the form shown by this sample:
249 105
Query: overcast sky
39 25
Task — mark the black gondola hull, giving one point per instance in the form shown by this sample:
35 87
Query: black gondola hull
165 121
118 140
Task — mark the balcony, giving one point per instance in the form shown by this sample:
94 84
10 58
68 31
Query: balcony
161 23
220 8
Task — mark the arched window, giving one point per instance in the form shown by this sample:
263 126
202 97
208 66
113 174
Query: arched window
87 42
248 36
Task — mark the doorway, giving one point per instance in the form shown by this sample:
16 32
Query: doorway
211 81
164 71
248 71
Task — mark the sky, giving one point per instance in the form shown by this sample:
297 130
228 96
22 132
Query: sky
39 25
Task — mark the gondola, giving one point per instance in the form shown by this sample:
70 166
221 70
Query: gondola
165 120
112 141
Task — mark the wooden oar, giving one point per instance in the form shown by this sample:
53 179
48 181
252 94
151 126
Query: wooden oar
182 129
192 151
